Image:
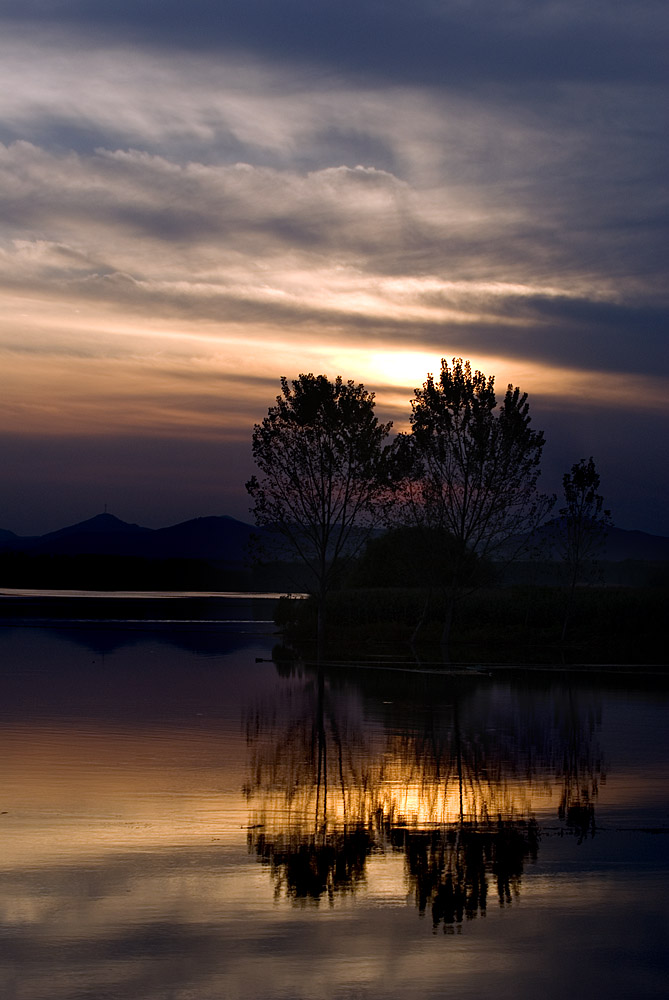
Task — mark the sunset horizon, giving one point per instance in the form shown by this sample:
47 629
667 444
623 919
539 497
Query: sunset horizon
195 205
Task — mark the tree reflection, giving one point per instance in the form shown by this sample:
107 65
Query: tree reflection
452 789
309 867
449 868
311 786
580 769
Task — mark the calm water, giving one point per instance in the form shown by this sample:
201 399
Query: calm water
179 820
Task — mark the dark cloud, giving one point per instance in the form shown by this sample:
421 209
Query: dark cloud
581 333
425 42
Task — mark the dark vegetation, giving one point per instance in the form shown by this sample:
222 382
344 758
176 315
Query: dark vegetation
584 524
108 572
375 611
519 624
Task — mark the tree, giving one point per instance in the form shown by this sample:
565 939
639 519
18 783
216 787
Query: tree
410 556
321 457
584 524
474 468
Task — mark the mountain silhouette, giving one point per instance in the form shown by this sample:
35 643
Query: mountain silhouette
222 538
617 545
227 541
206 538
100 524
103 534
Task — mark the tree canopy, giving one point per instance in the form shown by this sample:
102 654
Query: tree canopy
475 467
583 523
584 520
472 467
320 455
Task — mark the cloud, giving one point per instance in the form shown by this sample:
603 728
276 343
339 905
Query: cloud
255 189
517 42
564 181
343 248
258 209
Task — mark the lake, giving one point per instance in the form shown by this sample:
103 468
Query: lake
182 819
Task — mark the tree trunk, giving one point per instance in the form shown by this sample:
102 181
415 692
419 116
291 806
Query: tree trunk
451 597
446 629
320 628
421 621
568 609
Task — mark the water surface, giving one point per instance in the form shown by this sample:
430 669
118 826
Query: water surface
182 819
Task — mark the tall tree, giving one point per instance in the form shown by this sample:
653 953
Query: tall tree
321 456
475 468
583 525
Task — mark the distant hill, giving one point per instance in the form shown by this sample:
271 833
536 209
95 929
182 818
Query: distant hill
222 539
225 539
101 524
103 534
619 544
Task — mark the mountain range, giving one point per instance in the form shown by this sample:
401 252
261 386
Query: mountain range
618 545
226 540
222 539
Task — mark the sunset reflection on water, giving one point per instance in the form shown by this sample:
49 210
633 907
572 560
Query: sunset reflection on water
210 839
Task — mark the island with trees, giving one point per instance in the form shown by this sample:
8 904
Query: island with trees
429 546
438 542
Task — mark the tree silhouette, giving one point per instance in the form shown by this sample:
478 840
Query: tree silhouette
320 454
584 524
472 468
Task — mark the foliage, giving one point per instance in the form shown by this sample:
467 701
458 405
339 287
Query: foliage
321 459
471 469
410 555
584 523
477 465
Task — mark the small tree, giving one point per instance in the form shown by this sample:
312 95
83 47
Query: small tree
583 525
321 456
475 469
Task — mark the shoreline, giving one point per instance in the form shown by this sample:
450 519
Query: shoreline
196 610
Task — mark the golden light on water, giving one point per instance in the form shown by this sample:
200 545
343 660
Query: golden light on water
86 788
74 790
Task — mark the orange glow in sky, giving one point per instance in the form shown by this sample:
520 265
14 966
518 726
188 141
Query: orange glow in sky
185 226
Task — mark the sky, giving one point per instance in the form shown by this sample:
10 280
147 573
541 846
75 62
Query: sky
198 199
